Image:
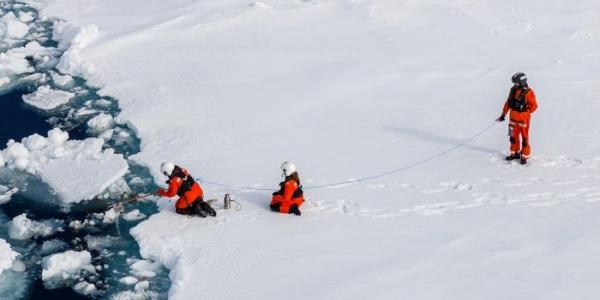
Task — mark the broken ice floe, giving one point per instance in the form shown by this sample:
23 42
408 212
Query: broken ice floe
76 170
22 228
46 98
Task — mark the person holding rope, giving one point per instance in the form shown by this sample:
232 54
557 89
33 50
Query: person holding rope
191 197
521 103
290 196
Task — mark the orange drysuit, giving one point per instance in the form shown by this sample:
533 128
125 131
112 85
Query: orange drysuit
183 185
521 103
289 194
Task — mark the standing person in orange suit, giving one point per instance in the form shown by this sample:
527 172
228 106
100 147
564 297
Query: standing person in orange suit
521 103
290 196
191 197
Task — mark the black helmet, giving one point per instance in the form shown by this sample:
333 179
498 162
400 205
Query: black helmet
520 79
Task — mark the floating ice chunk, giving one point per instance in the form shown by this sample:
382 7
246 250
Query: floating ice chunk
142 285
51 246
66 265
22 228
16 30
35 142
128 280
7 256
144 268
4 81
100 123
85 288
137 295
57 136
13 64
18 266
76 224
110 216
61 80
98 243
75 170
46 98
25 17
134 215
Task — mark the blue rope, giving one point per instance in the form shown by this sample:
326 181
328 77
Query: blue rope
366 178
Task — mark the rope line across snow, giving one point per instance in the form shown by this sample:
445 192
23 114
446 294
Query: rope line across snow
366 178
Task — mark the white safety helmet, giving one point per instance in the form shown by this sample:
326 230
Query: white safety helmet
167 168
288 168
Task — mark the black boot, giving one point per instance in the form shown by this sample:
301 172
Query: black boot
275 207
198 209
206 207
513 156
523 160
294 210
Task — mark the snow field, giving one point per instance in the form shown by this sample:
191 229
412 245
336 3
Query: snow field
347 89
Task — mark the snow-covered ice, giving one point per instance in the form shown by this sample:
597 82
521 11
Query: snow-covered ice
22 228
46 98
66 266
75 170
128 280
7 256
15 29
348 89
133 215
51 246
100 123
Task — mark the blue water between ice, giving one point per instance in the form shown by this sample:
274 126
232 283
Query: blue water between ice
18 120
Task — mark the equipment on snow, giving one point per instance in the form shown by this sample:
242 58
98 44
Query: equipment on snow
227 202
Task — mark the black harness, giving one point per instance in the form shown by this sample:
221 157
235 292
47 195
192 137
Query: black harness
518 103
297 193
188 181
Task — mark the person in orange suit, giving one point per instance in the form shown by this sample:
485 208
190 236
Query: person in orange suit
290 196
521 103
182 184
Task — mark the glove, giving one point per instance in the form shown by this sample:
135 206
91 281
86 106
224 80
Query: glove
501 118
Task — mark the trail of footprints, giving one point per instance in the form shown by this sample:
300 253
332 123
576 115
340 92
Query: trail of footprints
551 188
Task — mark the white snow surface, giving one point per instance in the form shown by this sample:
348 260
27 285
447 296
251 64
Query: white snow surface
46 98
75 169
7 256
66 265
349 89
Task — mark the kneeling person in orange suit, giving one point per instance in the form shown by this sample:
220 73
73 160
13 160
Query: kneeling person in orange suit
191 197
290 197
